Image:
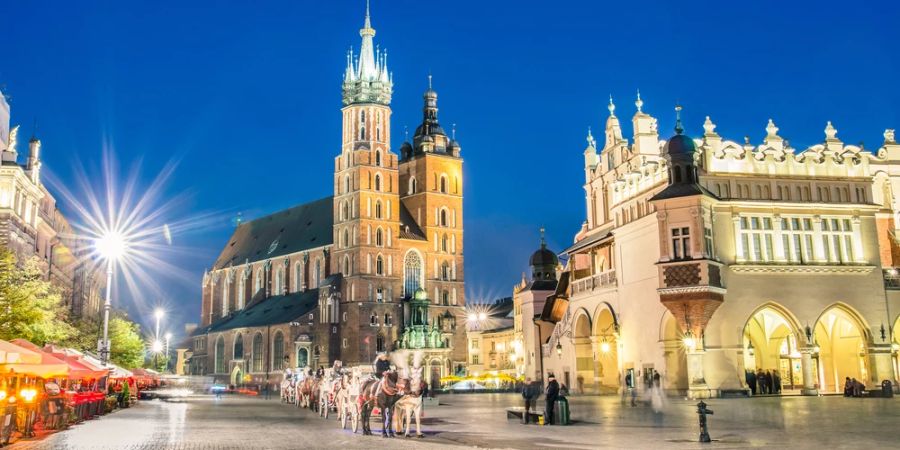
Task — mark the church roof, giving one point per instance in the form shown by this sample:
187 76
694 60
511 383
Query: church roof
271 311
291 230
409 229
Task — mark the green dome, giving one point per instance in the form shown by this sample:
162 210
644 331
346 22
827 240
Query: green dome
420 294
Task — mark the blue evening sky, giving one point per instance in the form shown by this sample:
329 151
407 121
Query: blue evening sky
246 97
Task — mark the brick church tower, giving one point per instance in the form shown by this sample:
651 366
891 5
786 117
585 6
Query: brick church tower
366 209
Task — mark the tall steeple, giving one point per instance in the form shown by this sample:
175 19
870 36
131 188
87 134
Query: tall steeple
367 79
368 69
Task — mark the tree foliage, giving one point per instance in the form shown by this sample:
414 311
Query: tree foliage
126 345
30 306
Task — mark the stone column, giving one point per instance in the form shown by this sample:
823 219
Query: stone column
697 387
818 245
780 251
598 353
858 255
880 365
809 375
738 245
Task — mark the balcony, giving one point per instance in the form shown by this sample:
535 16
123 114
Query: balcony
602 280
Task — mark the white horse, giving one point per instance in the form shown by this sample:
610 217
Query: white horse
410 404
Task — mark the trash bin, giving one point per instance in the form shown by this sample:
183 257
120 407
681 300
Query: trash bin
887 389
562 412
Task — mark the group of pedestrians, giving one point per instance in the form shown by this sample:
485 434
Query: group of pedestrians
532 390
763 382
853 387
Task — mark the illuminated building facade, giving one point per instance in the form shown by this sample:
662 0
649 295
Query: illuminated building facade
31 225
704 258
341 278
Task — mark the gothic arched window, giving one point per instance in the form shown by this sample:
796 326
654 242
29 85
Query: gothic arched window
412 185
444 242
241 292
443 220
412 273
278 351
257 285
318 273
378 209
379 265
279 281
379 238
378 158
445 271
378 182
443 184
298 277
379 343
220 355
238 347
257 353
346 266
226 286
346 240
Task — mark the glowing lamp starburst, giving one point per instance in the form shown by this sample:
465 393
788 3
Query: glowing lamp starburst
111 245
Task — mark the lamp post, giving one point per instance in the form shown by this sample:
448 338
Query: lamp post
110 246
159 315
168 338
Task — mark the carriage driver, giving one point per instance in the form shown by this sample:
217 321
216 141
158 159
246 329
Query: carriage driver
382 364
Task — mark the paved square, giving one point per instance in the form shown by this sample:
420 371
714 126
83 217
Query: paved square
480 421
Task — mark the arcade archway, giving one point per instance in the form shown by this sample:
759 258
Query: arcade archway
676 376
772 346
606 364
584 355
841 343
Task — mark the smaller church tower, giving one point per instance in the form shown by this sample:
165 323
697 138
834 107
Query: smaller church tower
543 262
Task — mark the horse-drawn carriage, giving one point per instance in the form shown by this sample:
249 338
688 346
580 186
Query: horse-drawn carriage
356 395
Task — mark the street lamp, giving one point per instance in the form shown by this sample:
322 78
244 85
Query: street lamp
689 341
168 338
159 313
112 246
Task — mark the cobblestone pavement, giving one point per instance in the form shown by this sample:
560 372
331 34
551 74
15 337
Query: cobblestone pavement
480 421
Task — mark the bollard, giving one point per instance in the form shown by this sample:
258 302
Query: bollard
702 411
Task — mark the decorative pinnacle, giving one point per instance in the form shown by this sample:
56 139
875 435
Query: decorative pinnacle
406 133
709 126
678 127
543 241
771 129
830 131
429 80
612 106
639 103
453 131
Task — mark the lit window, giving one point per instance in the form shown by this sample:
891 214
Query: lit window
681 243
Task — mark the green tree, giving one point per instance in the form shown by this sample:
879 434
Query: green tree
30 307
127 348
126 345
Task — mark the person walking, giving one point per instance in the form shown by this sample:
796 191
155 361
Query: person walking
550 397
776 380
751 381
761 381
632 390
530 393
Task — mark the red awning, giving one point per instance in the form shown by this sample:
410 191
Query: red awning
79 368
49 366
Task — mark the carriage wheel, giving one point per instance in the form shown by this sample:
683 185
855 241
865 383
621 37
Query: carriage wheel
343 418
355 419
